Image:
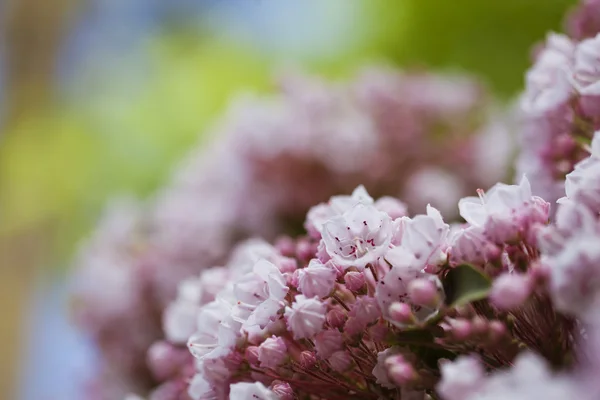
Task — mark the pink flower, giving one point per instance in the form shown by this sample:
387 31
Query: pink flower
364 311
306 316
261 293
318 215
358 237
587 66
340 361
391 206
328 342
272 352
547 82
425 237
460 378
503 212
583 183
510 290
251 391
468 245
380 370
317 279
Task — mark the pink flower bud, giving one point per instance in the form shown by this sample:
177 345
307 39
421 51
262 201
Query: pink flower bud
340 361
401 313
308 359
251 355
317 279
336 318
165 360
460 329
392 206
497 331
272 352
479 325
354 280
286 246
510 291
423 292
283 390
304 250
328 342
287 264
400 371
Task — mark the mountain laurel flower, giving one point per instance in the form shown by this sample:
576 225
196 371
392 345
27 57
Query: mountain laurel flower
503 212
306 316
317 279
340 361
318 215
354 280
391 206
583 183
587 66
548 83
460 378
510 291
358 237
328 342
272 352
251 391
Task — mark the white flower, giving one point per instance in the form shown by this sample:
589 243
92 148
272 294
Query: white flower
250 391
425 237
306 317
358 237
317 279
318 215
587 66
548 84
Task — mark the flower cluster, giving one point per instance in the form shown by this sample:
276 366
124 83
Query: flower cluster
560 106
371 301
274 158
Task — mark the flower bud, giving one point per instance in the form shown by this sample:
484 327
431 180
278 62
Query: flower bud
272 352
283 390
460 329
308 359
510 291
400 371
401 313
286 246
340 361
336 318
354 280
165 360
251 355
423 292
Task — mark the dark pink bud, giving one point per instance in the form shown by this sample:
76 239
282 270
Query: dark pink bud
336 318
424 292
308 359
402 313
286 246
354 280
283 390
251 355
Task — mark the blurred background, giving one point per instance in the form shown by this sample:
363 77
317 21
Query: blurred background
101 97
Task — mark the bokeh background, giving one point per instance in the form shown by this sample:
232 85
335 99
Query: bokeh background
102 97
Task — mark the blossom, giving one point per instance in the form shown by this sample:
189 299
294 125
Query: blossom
328 342
587 66
272 352
548 85
424 236
318 215
380 370
251 391
317 279
460 378
306 316
358 237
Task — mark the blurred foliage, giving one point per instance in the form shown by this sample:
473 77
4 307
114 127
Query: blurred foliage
59 166
492 38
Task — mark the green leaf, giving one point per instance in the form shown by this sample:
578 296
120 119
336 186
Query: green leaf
465 284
